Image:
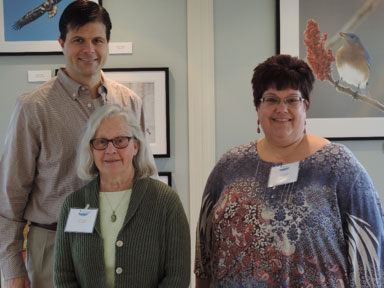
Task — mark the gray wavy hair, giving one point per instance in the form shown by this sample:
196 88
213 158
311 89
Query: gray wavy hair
86 168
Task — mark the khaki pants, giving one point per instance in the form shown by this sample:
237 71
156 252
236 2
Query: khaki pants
39 264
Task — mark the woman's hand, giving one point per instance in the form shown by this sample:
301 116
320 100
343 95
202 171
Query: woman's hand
202 283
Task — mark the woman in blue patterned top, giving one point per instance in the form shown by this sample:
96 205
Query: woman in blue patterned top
290 209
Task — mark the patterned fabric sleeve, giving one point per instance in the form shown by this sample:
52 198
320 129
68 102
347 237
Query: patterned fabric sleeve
212 192
363 227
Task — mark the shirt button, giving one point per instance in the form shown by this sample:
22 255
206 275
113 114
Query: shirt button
119 270
119 243
89 105
82 88
74 94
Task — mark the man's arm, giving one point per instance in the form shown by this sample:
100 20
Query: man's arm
22 282
17 171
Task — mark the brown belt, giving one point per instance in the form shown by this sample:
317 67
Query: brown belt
51 227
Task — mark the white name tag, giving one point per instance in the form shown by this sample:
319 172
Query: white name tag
81 220
283 174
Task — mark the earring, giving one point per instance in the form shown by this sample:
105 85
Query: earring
258 127
305 126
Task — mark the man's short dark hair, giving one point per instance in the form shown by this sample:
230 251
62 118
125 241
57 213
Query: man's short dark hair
82 12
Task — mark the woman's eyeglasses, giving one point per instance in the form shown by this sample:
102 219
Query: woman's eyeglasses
119 142
273 101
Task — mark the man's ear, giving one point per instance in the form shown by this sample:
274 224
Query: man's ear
61 42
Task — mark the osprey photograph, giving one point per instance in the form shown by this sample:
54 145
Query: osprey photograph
31 26
49 7
30 20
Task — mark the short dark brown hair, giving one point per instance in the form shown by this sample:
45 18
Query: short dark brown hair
282 72
82 12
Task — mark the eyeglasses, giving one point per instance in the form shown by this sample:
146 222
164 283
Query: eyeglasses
273 101
119 142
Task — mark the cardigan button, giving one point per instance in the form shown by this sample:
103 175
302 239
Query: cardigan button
119 243
119 270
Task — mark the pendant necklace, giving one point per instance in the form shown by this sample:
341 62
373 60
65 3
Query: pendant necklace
113 216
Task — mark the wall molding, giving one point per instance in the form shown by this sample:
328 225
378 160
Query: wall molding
201 105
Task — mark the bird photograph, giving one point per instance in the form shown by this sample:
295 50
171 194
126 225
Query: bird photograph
49 7
353 62
344 49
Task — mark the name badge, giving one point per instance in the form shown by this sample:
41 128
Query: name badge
81 220
283 174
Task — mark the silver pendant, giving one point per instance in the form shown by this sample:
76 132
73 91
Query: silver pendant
113 217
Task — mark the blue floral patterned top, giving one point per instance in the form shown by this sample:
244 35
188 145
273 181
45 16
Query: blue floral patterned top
325 230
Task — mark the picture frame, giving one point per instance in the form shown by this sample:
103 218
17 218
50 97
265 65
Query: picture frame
333 114
23 34
152 85
166 177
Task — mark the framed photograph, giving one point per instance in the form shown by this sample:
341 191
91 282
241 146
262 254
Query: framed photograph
166 177
151 84
31 27
341 108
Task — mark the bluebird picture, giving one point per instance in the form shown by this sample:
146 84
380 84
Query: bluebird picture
350 65
353 62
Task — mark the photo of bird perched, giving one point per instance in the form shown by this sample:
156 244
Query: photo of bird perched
353 62
344 49
49 7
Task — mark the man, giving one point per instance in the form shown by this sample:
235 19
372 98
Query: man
37 169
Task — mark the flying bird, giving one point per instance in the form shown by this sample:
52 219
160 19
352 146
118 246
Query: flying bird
47 7
353 62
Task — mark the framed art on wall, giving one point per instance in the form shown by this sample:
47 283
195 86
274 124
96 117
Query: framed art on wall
315 31
166 177
31 27
151 84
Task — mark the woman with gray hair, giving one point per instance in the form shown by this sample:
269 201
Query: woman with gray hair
123 229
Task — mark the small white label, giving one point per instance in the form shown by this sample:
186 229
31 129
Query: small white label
81 220
120 48
283 174
39 76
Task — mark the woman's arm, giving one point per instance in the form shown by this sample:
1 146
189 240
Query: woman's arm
364 233
178 246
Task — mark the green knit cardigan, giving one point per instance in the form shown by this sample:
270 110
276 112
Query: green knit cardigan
155 250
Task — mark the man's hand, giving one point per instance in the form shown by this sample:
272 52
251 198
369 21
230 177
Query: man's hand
22 282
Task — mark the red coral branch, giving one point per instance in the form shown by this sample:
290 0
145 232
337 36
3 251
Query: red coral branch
319 58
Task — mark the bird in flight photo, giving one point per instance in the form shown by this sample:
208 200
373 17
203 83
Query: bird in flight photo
47 7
